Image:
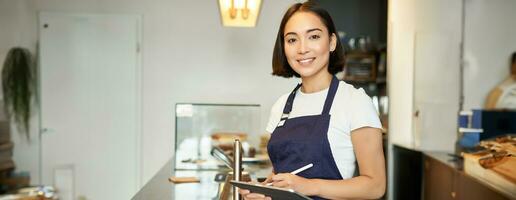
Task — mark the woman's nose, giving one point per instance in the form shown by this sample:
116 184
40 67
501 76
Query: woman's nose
303 47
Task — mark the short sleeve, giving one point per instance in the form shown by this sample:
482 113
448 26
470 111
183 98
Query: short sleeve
363 112
275 115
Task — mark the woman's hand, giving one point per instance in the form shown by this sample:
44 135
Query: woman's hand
247 195
297 183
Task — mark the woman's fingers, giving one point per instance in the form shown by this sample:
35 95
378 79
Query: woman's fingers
284 180
255 196
268 179
281 184
243 192
251 196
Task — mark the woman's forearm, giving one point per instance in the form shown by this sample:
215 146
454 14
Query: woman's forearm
360 187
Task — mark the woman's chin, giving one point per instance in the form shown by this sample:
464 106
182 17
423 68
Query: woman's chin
305 72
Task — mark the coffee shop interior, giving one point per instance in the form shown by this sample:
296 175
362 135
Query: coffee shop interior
127 99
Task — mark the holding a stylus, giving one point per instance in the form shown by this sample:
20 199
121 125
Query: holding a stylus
296 171
322 120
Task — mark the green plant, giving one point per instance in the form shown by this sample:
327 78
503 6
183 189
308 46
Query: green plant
18 86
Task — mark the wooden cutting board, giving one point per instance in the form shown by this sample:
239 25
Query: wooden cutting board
501 174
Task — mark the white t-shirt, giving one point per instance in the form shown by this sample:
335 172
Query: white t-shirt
351 109
507 99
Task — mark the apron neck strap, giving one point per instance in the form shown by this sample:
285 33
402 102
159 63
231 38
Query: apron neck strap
290 100
331 95
327 104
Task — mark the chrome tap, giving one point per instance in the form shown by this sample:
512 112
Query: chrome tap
237 168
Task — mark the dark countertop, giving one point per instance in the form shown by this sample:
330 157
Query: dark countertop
160 188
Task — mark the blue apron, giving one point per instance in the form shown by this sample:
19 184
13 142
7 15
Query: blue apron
299 141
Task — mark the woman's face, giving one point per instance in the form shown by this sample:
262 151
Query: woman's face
307 44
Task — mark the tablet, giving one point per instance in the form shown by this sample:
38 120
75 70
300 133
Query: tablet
273 192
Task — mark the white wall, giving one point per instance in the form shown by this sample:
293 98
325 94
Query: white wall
189 57
18 27
489 41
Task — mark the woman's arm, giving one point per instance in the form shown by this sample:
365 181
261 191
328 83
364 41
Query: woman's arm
492 98
370 184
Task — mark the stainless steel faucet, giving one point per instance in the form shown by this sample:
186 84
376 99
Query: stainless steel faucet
237 168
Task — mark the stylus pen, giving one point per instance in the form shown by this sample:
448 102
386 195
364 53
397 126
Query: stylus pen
297 171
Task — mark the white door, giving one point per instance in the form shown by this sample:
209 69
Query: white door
437 57
90 104
436 90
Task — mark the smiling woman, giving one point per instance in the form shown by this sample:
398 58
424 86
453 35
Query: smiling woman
323 121
286 41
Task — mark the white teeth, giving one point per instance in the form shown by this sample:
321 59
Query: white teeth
304 61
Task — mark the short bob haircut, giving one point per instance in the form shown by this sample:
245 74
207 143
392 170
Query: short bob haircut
280 66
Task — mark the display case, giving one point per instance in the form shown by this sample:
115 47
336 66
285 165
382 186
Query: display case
201 127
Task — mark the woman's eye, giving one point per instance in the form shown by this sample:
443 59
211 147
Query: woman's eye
291 40
314 37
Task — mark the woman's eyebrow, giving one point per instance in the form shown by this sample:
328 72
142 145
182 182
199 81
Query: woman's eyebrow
314 29
308 31
290 33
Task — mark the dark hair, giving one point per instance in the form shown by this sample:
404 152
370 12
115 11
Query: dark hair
513 59
280 66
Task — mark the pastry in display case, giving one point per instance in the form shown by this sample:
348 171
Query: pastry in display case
205 134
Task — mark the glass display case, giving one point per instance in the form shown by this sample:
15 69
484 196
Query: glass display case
202 127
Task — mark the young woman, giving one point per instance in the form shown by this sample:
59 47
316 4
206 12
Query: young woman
323 121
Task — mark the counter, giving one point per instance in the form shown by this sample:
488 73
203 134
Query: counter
444 178
160 188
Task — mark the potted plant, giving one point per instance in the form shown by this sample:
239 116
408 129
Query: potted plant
18 86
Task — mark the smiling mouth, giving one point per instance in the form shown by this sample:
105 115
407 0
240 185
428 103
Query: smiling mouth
306 61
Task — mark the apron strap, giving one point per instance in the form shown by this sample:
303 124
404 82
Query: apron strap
288 106
327 104
290 101
331 94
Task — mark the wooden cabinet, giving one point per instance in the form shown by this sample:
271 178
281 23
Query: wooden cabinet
438 180
471 188
441 181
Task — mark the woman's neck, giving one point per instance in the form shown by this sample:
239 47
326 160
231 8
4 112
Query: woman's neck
316 83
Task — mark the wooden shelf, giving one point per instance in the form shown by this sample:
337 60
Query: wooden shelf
360 67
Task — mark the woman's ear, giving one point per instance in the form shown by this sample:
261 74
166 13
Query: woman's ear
333 42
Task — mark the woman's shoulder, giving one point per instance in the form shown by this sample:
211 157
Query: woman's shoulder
280 102
507 83
350 93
